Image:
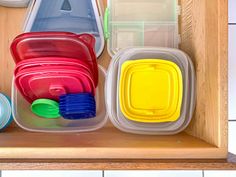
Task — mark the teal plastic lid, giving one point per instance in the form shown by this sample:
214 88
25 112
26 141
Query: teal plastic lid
5 111
46 108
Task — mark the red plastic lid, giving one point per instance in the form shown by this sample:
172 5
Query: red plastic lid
51 61
55 44
52 83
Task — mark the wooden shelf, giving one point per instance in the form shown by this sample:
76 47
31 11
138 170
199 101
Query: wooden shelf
107 143
123 164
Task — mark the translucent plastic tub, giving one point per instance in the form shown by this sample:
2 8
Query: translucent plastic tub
137 23
27 120
77 16
112 85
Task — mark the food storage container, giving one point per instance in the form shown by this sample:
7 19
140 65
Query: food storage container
27 120
112 92
77 16
5 112
137 23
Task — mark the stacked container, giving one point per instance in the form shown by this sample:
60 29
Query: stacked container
149 90
154 125
137 23
5 112
76 16
27 120
51 65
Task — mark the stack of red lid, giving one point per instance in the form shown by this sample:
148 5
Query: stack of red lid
51 64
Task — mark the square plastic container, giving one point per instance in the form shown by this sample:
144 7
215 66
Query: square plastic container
27 120
112 94
77 16
188 75
137 23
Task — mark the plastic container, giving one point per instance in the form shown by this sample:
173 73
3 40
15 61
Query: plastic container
188 102
5 112
137 23
14 3
188 75
27 120
150 90
77 16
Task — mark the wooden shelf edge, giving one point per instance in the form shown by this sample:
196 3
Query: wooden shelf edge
229 164
113 153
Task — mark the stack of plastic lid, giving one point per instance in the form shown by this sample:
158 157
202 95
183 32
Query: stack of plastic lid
70 108
5 111
150 90
52 64
154 90
42 70
77 16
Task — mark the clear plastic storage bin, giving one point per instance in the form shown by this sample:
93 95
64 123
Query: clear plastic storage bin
27 120
112 93
77 16
137 23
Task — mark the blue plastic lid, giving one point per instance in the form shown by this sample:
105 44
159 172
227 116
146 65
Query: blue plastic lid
77 106
77 16
5 111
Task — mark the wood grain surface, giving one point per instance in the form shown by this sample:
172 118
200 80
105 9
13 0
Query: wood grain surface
203 27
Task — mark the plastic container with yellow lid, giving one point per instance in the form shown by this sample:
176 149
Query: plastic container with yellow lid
112 91
151 90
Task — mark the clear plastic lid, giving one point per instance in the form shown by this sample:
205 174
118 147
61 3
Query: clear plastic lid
77 16
137 23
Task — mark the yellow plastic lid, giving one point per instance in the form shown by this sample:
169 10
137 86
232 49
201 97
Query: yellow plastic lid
151 90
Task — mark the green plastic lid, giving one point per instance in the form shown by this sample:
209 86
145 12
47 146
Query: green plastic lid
46 108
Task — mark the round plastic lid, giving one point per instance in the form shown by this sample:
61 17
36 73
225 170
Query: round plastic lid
5 111
151 90
46 108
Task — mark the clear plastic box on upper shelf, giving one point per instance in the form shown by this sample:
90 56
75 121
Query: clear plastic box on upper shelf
77 16
137 23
